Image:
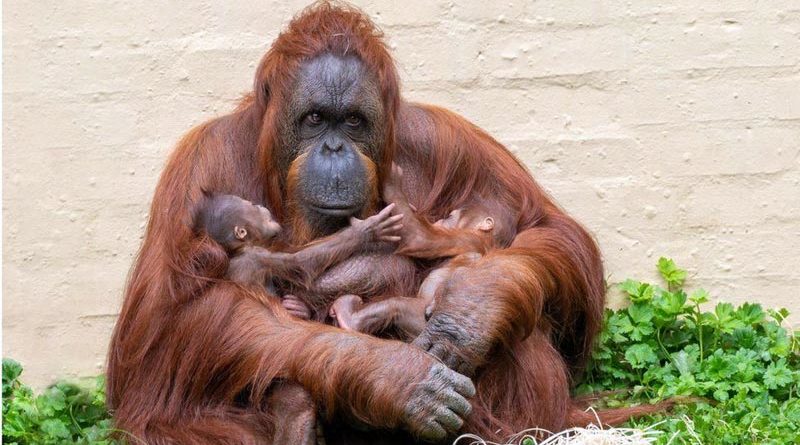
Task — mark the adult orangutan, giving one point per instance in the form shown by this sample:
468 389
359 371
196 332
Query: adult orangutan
196 358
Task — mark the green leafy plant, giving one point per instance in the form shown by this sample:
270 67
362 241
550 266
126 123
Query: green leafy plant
740 362
62 413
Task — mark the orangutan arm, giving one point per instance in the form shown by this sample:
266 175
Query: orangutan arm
385 384
552 268
501 297
431 242
421 239
312 260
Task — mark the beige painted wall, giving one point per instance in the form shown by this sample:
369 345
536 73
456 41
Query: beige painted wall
667 130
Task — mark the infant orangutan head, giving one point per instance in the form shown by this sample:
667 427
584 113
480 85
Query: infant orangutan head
468 218
483 218
234 222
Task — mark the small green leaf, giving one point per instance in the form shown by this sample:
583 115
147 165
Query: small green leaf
630 287
750 313
718 366
638 292
51 401
640 313
55 429
699 296
781 343
779 315
619 326
669 305
684 363
778 375
726 318
721 395
641 356
670 272
11 372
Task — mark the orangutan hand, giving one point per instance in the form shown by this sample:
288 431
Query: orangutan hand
380 227
458 348
468 320
438 405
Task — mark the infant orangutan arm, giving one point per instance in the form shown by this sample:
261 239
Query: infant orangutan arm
305 265
421 239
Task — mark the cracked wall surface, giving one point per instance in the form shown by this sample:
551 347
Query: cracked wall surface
666 129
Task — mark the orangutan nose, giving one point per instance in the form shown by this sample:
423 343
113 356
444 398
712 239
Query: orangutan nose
333 146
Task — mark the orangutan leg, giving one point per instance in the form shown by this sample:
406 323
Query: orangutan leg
403 313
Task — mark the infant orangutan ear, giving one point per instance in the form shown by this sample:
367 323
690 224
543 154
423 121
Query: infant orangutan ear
487 225
240 232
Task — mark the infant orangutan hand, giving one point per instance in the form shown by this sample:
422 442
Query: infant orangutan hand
381 227
296 307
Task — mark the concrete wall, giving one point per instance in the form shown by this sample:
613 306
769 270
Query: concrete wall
666 129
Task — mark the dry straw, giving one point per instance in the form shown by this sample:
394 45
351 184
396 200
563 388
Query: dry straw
591 435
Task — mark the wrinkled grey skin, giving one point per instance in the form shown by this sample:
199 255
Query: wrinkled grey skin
445 338
462 304
439 420
335 112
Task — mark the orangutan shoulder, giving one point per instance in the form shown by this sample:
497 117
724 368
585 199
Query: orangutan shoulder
414 130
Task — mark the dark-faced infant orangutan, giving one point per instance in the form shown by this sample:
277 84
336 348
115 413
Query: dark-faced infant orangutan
245 230
475 226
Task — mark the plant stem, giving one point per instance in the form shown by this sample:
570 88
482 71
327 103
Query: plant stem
698 322
663 349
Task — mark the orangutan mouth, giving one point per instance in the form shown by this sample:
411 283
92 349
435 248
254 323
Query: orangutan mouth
343 210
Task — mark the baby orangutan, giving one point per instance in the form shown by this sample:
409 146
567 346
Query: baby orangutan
464 235
409 315
244 230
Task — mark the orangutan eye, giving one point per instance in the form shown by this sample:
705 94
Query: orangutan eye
353 120
314 118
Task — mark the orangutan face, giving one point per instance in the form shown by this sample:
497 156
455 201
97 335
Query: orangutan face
333 138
